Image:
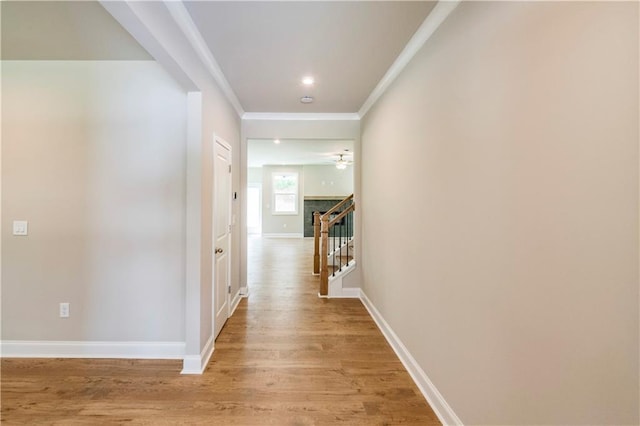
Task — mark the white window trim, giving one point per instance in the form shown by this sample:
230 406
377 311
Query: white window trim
273 194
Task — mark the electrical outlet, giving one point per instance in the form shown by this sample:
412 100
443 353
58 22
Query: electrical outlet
64 310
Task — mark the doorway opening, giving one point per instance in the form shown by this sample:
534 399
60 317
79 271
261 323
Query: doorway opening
289 179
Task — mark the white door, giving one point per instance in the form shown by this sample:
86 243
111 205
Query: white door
221 233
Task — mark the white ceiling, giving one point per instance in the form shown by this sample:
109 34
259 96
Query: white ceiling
264 48
297 151
64 30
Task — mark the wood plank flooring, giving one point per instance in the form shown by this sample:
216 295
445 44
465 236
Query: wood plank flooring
285 357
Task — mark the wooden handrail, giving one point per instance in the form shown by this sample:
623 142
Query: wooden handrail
317 219
339 217
321 226
337 206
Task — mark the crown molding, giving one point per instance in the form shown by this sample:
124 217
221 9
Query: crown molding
183 19
128 16
288 116
431 23
181 16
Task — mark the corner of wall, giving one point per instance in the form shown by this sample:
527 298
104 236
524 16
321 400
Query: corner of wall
196 364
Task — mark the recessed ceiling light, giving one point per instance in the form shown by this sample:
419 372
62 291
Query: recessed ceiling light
306 99
307 81
276 141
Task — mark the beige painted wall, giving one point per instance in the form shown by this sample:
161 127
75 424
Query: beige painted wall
93 156
320 180
210 113
514 134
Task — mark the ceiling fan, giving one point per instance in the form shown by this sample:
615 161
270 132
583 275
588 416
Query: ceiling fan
341 163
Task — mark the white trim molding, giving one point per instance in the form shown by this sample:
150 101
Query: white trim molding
293 116
235 302
336 289
196 364
84 349
433 20
350 293
291 235
437 402
183 19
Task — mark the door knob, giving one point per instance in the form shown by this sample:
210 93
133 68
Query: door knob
219 250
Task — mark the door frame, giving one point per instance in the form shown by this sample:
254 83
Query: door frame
218 140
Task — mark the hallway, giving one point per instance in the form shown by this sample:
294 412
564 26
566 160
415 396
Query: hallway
326 359
285 357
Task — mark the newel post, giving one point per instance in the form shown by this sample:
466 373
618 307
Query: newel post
324 250
316 243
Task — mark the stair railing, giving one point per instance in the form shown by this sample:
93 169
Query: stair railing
332 230
317 230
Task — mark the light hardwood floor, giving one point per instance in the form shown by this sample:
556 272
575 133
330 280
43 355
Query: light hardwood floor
285 357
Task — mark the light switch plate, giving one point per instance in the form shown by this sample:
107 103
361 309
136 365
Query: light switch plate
64 310
20 227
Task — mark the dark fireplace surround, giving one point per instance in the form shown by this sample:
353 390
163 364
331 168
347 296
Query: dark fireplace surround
316 204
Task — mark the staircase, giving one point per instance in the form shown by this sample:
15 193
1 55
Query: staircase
334 250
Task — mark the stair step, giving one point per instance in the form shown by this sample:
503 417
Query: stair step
333 268
342 262
344 257
336 267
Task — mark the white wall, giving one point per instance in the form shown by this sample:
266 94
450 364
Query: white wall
515 287
254 175
93 157
321 180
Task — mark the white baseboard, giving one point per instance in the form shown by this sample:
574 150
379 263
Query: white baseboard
292 235
236 301
82 349
436 400
350 292
244 291
195 364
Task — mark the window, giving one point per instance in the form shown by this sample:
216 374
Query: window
285 193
